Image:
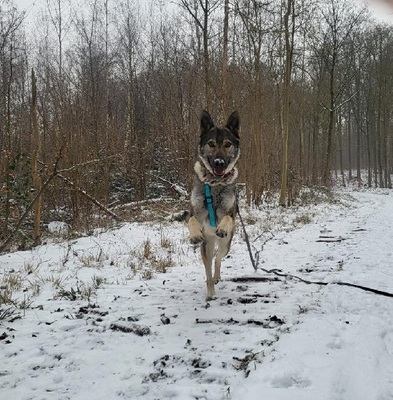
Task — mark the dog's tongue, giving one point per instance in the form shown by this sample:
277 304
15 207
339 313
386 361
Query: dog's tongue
219 171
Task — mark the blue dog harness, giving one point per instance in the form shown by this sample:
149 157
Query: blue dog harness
210 206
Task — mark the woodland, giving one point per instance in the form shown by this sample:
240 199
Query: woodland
100 102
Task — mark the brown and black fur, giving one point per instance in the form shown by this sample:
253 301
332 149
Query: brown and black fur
218 153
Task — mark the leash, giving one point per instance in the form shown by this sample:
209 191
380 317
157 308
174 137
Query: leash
210 206
281 274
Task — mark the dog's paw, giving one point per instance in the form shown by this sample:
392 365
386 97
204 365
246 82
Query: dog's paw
196 240
221 233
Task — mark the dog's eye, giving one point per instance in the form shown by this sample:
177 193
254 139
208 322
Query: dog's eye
211 143
227 144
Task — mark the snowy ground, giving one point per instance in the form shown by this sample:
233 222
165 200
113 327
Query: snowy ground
100 321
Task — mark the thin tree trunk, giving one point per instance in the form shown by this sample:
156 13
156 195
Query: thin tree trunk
332 114
349 135
34 161
340 148
286 98
206 58
225 62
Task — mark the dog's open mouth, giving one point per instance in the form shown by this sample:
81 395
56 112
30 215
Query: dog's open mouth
219 171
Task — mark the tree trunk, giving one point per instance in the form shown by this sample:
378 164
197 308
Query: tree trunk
224 90
340 148
349 136
34 161
289 35
332 114
206 59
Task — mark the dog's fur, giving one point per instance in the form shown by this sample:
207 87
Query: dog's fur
218 153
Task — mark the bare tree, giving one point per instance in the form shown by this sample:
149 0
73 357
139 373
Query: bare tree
289 34
12 73
34 160
340 20
207 7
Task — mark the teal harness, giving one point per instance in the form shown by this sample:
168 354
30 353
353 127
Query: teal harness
210 206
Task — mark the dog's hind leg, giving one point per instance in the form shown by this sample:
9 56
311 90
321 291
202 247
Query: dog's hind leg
207 252
223 249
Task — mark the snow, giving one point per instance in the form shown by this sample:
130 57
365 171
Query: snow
103 323
58 228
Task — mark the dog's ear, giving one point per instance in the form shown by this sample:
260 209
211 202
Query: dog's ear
206 122
233 123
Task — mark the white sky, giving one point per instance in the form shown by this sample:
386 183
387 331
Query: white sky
381 9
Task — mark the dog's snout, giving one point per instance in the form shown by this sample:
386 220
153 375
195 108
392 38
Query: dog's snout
219 162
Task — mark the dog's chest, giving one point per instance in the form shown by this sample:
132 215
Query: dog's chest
223 198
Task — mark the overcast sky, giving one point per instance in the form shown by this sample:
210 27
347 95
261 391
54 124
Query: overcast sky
381 9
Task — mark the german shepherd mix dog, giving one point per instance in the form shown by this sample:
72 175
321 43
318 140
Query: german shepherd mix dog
213 198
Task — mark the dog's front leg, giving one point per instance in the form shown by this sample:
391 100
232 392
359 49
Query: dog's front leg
207 252
195 229
225 227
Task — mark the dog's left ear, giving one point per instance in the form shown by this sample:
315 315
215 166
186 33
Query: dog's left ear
233 123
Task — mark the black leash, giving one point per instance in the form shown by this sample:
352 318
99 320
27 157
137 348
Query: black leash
281 274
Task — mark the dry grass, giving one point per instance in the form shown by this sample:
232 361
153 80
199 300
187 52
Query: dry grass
146 261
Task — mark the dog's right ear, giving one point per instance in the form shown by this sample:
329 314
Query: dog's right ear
206 122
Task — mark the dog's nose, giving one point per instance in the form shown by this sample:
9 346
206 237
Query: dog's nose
219 162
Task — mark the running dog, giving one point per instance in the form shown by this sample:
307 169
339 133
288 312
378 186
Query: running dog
213 198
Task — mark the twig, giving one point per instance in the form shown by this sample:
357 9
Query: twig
83 164
80 190
91 198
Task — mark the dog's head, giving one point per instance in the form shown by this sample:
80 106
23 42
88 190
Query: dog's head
219 147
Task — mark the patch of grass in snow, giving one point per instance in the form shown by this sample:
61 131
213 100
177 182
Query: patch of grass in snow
302 219
81 291
17 288
165 242
7 313
248 362
91 261
146 259
316 195
10 283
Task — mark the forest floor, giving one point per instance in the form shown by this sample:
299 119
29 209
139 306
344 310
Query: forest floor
122 313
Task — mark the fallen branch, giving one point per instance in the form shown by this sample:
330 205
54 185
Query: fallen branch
80 190
329 239
181 192
254 279
87 195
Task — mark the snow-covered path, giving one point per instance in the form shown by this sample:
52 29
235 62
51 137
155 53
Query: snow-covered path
158 338
343 348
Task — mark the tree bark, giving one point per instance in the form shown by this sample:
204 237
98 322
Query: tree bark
289 35
34 161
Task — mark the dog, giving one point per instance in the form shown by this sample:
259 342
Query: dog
213 198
